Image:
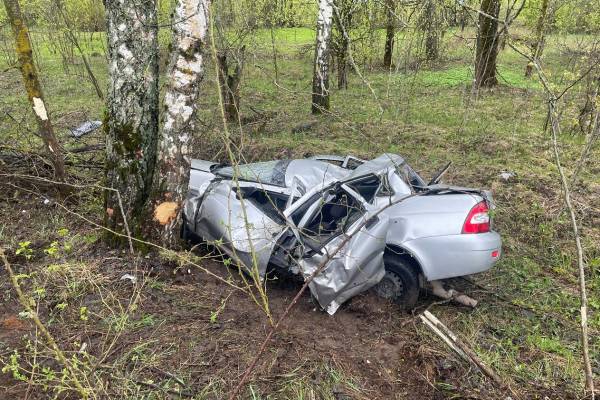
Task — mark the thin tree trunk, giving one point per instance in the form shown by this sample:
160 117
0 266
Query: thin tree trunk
320 86
431 27
33 87
75 42
230 85
343 21
540 38
487 45
185 73
390 32
131 120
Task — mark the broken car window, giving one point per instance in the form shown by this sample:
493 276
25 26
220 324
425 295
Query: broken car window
268 172
366 187
337 211
271 203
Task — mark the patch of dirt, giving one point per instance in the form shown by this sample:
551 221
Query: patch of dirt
195 325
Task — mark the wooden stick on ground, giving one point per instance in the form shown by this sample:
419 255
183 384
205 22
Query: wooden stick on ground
450 338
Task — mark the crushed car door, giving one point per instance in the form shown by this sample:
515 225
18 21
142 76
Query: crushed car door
244 220
343 231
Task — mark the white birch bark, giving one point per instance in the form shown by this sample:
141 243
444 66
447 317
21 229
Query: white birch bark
131 121
320 92
185 73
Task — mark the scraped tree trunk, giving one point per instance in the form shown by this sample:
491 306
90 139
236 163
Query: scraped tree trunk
320 86
33 87
540 37
487 45
185 73
230 85
131 121
390 32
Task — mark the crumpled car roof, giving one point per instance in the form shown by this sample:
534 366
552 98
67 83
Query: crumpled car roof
311 172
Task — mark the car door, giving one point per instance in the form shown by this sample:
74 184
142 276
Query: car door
242 219
340 229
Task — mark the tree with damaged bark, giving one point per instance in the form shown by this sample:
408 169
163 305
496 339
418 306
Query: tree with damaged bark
33 87
487 44
185 73
390 32
320 85
131 120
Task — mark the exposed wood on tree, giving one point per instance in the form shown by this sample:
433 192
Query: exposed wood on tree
33 87
487 44
185 73
320 86
230 83
131 121
390 32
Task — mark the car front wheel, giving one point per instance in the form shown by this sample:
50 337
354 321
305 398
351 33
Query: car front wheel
399 284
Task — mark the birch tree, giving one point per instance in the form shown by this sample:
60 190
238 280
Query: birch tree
320 86
131 120
185 72
487 44
33 87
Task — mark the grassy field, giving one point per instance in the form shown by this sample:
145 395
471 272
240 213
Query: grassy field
526 324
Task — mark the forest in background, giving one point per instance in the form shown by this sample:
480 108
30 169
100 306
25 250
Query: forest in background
185 329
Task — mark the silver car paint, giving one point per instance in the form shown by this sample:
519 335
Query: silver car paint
427 227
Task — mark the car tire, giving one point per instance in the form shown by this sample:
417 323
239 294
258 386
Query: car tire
399 284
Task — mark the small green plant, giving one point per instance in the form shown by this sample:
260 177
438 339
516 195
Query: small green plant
53 249
214 315
13 367
24 250
83 313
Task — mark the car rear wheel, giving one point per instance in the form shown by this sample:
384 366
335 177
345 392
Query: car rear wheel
400 283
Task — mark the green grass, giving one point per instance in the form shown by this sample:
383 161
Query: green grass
428 116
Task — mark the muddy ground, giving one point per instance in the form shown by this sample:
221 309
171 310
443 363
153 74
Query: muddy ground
191 335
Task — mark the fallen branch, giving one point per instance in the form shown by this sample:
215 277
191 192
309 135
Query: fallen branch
460 347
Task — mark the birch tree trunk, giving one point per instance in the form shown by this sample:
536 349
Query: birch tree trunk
33 87
131 120
185 72
320 86
390 32
487 45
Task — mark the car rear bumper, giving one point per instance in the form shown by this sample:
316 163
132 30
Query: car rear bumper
449 256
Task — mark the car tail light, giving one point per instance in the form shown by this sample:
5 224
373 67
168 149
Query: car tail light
478 220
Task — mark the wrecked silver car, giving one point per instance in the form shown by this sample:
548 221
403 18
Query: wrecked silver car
373 223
